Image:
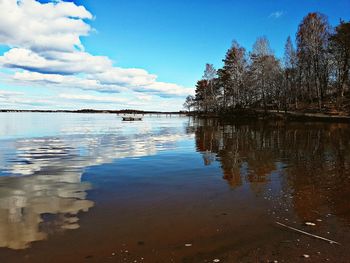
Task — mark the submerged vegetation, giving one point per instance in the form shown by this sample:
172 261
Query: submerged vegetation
313 77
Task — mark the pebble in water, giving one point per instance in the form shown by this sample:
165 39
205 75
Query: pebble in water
216 260
310 224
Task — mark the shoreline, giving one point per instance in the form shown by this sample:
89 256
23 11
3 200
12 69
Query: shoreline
248 115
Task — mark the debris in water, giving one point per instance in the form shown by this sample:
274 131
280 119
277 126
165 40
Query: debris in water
306 256
188 245
216 260
308 234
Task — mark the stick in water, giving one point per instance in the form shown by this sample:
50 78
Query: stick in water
308 234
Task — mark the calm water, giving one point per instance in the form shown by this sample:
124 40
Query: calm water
91 188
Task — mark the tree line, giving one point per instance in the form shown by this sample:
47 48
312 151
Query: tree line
314 72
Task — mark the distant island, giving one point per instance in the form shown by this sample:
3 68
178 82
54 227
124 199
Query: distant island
312 80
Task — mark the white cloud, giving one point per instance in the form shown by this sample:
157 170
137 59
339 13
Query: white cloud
166 89
127 77
106 100
18 98
51 26
55 62
91 98
45 49
7 93
144 97
276 14
57 80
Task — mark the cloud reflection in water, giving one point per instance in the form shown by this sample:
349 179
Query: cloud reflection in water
43 192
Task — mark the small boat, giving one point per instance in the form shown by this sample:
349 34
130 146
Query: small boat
132 118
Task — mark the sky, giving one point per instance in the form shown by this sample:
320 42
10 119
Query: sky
122 54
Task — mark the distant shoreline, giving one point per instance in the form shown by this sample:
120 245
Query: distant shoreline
97 111
235 115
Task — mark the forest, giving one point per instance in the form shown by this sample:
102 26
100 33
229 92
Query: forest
312 76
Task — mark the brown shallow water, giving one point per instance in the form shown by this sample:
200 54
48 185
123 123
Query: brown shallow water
89 188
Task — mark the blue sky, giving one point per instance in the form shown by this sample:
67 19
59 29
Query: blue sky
131 54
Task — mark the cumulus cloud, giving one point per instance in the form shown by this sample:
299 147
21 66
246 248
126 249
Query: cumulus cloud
55 62
43 26
57 80
128 77
45 49
276 14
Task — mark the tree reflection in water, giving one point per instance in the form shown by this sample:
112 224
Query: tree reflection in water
311 159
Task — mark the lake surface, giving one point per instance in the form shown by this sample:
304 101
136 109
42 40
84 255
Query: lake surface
91 188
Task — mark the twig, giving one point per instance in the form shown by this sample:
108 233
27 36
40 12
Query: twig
308 234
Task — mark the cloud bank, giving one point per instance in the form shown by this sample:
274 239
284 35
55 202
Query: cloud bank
45 49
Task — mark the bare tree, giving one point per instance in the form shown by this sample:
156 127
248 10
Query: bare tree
189 102
312 41
232 74
290 72
266 71
211 95
340 50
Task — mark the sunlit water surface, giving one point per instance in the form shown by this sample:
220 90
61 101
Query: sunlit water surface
91 188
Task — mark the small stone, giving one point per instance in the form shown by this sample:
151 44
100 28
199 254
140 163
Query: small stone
216 260
306 256
113 254
310 224
188 245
